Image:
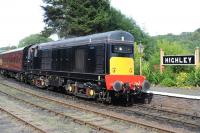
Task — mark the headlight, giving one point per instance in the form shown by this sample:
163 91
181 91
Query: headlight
117 85
145 85
91 92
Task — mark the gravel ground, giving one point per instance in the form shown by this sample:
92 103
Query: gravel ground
44 120
10 125
189 106
181 105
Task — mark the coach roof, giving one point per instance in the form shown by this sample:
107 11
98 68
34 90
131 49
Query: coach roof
112 36
12 51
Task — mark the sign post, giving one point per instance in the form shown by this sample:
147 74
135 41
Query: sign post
197 57
161 60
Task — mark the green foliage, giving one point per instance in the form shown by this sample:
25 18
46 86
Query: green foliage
2 49
146 71
136 60
181 79
168 73
172 48
154 77
197 77
76 17
118 21
150 48
33 39
70 18
191 79
188 40
168 82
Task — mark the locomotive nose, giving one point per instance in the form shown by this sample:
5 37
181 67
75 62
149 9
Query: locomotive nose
117 85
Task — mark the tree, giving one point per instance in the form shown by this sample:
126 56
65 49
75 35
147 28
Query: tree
70 18
2 49
76 17
119 21
188 40
33 39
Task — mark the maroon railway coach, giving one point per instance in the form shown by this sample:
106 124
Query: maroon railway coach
12 62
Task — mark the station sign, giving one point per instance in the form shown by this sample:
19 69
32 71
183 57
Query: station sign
179 60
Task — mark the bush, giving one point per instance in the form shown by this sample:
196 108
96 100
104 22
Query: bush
181 79
156 77
191 80
197 77
168 82
168 73
153 77
146 70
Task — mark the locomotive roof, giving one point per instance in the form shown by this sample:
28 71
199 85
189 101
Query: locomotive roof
112 36
13 50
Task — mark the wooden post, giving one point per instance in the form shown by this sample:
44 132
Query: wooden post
197 58
140 65
161 60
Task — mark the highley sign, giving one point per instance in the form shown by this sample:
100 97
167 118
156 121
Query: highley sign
179 60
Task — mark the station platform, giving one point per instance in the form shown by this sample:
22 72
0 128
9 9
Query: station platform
193 93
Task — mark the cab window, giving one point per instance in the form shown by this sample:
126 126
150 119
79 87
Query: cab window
122 49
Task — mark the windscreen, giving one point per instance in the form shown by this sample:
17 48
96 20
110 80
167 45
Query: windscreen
123 49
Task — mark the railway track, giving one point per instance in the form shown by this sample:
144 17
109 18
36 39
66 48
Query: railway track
17 93
175 119
79 121
166 115
192 120
169 117
28 124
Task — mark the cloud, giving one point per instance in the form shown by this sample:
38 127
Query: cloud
162 16
19 19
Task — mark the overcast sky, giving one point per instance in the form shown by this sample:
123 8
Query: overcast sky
20 18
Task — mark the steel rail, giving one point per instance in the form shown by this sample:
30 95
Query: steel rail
23 121
193 125
115 117
76 120
168 111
